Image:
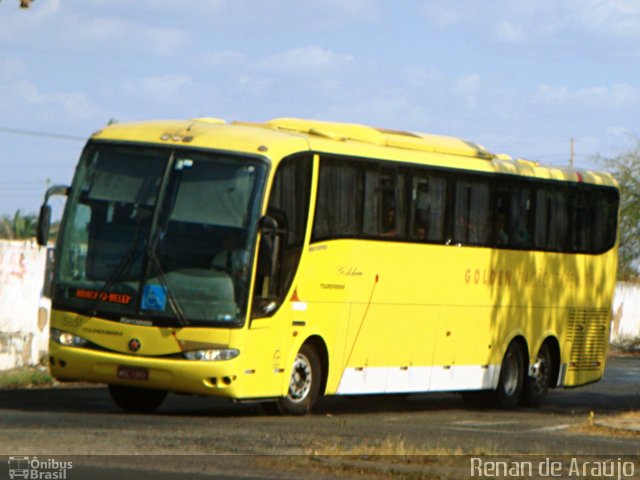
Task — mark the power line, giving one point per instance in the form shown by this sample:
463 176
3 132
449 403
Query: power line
34 133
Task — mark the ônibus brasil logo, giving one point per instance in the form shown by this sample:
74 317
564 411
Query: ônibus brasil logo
32 468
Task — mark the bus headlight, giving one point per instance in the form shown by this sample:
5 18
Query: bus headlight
212 355
67 339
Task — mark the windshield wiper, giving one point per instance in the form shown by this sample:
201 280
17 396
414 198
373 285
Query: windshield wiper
118 272
156 234
171 298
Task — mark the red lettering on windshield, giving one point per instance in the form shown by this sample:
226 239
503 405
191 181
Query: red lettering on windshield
120 298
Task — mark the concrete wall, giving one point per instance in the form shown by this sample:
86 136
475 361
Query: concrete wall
626 311
24 313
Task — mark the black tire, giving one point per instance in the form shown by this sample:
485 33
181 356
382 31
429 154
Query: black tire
304 385
511 382
136 400
537 385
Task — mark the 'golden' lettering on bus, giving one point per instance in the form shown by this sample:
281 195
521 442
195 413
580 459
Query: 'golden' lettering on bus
487 277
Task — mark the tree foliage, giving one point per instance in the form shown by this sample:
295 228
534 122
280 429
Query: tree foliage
18 227
24 3
626 170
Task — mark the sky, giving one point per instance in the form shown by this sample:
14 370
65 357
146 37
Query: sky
521 78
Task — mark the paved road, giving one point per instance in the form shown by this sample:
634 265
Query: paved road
83 421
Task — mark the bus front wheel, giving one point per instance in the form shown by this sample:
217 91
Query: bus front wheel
304 384
136 400
511 382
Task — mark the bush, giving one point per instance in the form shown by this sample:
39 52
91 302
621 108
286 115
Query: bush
627 343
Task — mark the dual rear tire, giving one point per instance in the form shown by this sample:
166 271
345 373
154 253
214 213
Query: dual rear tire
537 384
515 386
512 377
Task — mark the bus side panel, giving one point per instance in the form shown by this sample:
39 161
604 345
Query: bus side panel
462 359
414 338
265 350
389 348
333 320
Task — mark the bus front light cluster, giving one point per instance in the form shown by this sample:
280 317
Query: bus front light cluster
212 355
67 339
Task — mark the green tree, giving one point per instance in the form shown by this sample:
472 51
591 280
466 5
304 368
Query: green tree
24 3
626 170
21 226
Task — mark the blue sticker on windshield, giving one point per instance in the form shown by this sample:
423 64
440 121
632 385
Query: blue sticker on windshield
154 297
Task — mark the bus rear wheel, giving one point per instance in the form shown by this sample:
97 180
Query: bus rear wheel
136 400
537 384
304 384
511 381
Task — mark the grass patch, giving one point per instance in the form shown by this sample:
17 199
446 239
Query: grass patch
621 425
25 377
391 446
388 458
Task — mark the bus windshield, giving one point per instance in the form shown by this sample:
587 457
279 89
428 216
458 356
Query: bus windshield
162 236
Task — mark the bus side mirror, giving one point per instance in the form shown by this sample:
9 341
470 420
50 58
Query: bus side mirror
44 222
268 225
44 219
266 298
269 246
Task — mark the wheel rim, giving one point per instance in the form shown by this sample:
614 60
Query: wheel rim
511 374
301 377
540 372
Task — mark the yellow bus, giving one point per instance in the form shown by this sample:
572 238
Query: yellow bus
282 261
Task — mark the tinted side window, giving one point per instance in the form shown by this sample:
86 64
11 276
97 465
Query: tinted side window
339 202
552 218
513 215
359 199
377 199
605 219
594 218
581 232
472 212
428 207
384 203
289 198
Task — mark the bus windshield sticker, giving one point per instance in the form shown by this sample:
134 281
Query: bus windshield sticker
154 297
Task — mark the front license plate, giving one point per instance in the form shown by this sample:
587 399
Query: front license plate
132 373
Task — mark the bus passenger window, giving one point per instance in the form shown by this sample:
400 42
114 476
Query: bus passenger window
603 219
581 230
339 201
520 216
393 205
472 212
513 216
428 209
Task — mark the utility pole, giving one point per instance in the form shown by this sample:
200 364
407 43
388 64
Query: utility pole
573 148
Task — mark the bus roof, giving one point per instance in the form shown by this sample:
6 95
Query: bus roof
280 137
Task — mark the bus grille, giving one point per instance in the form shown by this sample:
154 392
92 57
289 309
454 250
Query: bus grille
588 337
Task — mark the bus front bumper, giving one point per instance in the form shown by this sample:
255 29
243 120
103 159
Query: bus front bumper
213 378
